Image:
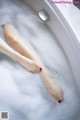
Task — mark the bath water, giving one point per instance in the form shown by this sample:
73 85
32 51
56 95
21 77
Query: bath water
23 94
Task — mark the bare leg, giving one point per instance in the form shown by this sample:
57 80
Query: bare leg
28 64
15 41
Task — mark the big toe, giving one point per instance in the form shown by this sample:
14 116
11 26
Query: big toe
38 68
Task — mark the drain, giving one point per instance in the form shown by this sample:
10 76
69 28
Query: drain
43 15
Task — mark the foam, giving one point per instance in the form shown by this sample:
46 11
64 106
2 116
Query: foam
24 94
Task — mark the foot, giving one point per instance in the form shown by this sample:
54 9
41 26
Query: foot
52 85
56 91
30 65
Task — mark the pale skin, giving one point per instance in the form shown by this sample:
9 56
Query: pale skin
27 54
28 64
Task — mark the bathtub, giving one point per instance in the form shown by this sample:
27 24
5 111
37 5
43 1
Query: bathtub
64 33
23 94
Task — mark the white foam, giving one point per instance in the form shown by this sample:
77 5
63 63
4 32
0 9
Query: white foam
23 94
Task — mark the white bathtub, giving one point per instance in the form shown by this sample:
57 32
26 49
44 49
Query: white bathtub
65 35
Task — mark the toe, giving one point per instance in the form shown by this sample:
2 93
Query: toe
40 69
59 101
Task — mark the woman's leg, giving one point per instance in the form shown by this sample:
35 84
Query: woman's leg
15 41
28 64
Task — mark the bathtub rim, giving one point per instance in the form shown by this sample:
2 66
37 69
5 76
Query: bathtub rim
67 40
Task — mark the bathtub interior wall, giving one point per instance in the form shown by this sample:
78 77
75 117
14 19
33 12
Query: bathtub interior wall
23 94
63 33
